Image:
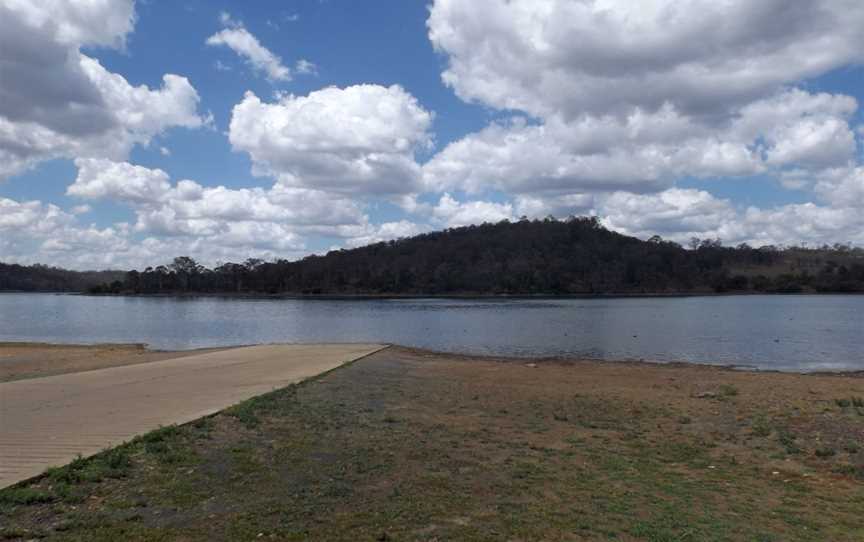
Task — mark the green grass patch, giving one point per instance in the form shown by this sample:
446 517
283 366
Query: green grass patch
761 426
24 495
825 452
728 390
789 441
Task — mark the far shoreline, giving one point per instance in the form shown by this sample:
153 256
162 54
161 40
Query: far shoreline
385 296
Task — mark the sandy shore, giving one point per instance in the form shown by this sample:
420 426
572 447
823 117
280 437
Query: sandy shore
30 360
413 445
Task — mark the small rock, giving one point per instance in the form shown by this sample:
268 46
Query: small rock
705 395
532 365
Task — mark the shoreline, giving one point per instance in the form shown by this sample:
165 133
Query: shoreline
21 359
467 295
27 360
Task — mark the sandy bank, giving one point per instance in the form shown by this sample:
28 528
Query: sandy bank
29 360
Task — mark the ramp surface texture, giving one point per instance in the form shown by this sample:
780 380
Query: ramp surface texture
48 421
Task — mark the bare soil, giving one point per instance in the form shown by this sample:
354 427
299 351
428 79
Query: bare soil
31 360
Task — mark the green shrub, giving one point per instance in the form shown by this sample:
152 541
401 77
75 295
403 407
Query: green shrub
825 452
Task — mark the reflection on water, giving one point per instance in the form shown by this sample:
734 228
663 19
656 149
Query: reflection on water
768 332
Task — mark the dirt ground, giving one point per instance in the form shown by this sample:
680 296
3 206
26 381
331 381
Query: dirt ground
411 445
30 360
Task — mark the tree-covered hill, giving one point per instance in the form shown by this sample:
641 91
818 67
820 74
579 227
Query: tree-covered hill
41 278
573 256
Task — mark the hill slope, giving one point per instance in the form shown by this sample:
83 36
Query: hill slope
575 256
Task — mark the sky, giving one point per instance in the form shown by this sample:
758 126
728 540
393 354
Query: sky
134 132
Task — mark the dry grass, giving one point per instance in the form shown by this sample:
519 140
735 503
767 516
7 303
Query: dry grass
408 445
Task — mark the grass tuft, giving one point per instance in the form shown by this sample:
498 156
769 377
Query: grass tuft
788 441
825 452
728 390
24 496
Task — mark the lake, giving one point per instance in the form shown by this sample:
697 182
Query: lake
790 333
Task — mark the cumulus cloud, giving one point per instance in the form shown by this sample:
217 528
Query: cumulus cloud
385 232
608 104
57 102
241 41
188 208
680 214
33 230
204 221
842 187
355 140
646 151
34 216
452 213
676 213
609 56
100 178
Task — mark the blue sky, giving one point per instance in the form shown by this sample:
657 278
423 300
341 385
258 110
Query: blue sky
455 113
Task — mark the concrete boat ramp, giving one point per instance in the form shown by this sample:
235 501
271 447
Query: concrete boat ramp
48 421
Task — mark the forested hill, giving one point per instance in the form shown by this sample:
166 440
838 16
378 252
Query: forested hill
41 278
574 256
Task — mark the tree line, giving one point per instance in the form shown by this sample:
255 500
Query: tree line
42 278
575 256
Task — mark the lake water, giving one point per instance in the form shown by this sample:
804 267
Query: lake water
797 333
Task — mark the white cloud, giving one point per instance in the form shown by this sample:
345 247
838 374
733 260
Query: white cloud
623 99
648 151
606 56
842 188
806 222
355 140
241 41
37 232
452 213
189 208
385 232
800 128
680 214
104 179
675 213
559 206
306 67
518 157
99 22
57 102
33 216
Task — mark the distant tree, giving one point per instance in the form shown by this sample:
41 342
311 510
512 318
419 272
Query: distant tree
577 255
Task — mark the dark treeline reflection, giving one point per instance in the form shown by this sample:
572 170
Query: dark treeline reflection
572 256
